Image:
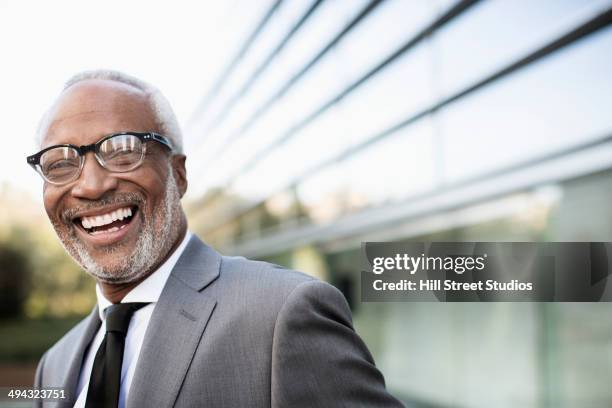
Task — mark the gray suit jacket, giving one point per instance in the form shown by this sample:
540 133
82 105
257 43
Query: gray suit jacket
230 332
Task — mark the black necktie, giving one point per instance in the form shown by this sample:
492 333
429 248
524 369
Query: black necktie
105 380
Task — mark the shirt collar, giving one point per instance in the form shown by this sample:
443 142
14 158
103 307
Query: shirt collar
149 289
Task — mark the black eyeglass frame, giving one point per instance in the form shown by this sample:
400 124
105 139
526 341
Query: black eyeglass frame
34 160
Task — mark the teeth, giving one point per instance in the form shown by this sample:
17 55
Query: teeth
105 219
109 230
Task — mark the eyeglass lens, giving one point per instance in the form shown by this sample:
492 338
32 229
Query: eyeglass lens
60 164
121 153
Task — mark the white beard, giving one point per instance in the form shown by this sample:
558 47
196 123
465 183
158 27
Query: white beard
151 245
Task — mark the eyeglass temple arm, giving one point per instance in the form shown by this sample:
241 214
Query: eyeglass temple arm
159 138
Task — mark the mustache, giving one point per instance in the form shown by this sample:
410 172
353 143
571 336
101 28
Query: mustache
107 200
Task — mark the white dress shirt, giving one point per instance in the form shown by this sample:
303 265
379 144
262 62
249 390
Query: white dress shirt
148 290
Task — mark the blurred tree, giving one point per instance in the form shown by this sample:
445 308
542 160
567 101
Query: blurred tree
14 280
52 285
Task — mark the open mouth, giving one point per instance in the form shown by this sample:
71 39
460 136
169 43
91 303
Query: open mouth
111 221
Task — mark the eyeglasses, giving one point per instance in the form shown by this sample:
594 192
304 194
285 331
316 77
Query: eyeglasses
119 153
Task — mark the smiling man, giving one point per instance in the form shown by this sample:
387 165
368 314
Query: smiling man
176 323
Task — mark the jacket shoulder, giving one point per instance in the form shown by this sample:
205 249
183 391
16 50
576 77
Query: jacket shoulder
260 276
256 285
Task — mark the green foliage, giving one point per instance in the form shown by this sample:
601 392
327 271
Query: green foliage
14 274
26 340
58 287
50 283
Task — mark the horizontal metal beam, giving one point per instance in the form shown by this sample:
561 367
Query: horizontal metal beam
233 137
262 67
237 58
574 162
288 134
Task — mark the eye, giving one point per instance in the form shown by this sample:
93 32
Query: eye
60 159
60 164
118 155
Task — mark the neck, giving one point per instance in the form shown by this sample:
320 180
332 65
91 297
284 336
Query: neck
115 292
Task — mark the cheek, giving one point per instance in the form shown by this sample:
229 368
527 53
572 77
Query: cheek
151 180
50 200
53 200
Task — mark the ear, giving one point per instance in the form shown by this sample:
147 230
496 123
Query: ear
180 173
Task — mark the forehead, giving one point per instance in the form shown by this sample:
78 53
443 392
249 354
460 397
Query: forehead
91 109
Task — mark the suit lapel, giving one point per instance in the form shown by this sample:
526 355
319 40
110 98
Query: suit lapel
176 327
92 324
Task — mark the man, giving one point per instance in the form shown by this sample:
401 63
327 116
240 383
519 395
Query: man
176 324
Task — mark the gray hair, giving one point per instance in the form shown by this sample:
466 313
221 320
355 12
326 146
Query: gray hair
164 114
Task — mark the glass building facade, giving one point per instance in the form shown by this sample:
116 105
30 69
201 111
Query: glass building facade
339 122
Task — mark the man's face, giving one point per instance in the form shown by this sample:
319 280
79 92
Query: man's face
126 249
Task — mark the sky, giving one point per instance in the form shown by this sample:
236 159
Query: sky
181 50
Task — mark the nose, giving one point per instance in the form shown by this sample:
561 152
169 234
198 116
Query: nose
94 180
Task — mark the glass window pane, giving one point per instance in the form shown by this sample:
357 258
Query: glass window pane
559 102
396 168
494 33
